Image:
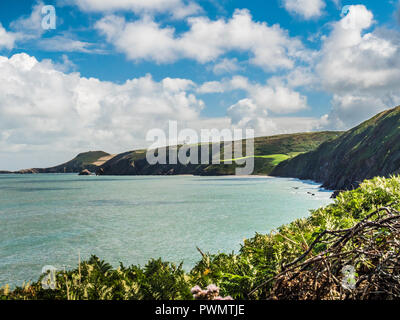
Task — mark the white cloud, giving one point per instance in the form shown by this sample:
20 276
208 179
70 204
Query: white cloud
213 87
7 39
142 39
307 9
246 114
177 8
278 99
263 103
63 43
176 85
298 77
205 41
274 96
66 65
183 11
254 112
30 27
42 109
246 111
350 109
361 69
226 66
28 30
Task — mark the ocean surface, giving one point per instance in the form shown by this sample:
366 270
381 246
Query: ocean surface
52 219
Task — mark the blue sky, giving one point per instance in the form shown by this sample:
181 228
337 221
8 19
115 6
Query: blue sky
112 70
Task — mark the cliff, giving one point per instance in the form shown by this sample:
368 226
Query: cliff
366 151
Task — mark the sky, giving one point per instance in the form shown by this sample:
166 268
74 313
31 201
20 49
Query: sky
100 74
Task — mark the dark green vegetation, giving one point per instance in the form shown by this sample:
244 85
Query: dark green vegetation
369 150
269 151
253 269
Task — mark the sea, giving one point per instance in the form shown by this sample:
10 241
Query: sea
60 219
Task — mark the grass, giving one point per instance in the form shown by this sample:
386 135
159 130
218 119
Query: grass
90 157
276 158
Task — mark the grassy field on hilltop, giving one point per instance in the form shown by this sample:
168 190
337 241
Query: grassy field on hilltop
86 160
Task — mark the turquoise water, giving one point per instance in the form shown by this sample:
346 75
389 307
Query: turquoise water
50 219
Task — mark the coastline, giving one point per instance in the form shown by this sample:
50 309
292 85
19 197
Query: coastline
214 213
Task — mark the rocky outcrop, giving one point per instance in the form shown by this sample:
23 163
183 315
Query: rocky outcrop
366 151
85 173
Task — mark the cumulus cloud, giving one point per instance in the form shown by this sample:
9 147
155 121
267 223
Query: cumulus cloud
360 68
30 27
278 99
273 97
246 114
205 41
262 106
142 39
65 65
307 9
300 76
43 109
63 43
254 112
214 87
28 31
226 66
178 8
7 39
48 115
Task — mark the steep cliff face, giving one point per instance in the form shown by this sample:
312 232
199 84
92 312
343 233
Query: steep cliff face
366 151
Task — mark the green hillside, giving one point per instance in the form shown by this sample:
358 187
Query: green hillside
87 160
269 152
366 151
82 161
89 157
